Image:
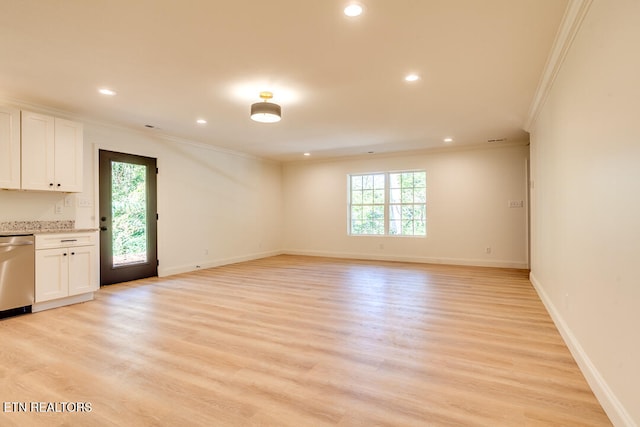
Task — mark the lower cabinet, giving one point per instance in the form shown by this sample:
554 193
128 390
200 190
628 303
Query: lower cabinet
66 266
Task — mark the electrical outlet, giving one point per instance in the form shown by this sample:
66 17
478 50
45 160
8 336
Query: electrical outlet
516 203
487 250
59 207
68 201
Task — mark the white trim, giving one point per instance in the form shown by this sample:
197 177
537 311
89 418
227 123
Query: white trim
571 22
416 259
610 403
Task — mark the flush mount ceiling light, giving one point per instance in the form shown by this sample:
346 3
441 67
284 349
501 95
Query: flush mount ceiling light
412 77
266 112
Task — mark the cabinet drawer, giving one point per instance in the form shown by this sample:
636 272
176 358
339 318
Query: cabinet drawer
63 240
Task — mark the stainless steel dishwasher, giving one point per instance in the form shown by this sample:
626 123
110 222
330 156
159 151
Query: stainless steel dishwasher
17 272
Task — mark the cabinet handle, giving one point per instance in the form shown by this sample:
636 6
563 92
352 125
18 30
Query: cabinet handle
64 254
51 184
73 253
58 185
68 240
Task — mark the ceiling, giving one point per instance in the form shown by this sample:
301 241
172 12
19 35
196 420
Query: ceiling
339 80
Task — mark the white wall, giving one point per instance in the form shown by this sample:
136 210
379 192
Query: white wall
586 204
209 200
467 208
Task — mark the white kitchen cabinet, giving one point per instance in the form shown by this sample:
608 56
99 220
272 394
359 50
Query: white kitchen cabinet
66 265
9 148
52 274
51 153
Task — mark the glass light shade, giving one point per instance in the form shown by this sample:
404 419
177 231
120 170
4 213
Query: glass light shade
266 112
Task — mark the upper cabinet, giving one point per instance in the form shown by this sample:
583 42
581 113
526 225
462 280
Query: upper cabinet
9 148
51 153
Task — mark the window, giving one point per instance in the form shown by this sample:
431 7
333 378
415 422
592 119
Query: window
390 203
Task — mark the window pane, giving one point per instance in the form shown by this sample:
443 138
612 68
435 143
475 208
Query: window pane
420 195
356 182
407 179
394 180
378 197
356 197
420 228
367 196
407 227
395 212
407 212
420 212
367 182
419 179
129 213
356 212
407 195
394 227
378 181
395 196
379 227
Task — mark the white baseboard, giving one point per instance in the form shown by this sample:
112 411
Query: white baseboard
610 403
422 260
170 271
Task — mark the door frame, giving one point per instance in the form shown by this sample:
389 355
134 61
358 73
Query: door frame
134 271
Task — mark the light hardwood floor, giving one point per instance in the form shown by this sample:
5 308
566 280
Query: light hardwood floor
300 341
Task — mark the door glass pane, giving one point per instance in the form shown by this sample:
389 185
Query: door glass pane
129 213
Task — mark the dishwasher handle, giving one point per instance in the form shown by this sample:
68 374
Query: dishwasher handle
5 245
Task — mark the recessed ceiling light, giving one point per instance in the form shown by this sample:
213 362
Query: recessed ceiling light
106 91
307 154
412 77
201 121
353 10
448 140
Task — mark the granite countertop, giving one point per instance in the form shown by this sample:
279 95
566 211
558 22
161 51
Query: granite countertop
40 227
66 230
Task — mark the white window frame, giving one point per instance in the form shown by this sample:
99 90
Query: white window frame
386 205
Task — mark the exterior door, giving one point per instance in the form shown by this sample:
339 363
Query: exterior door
128 217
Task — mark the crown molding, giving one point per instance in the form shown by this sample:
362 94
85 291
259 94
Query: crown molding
147 133
571 23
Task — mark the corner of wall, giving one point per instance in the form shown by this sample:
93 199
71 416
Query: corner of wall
610 403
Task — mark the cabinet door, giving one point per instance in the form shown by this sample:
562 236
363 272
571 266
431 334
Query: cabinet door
83 270
38 162
9 148
52 274
68 155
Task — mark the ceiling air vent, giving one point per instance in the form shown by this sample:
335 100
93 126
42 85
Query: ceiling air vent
492 141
